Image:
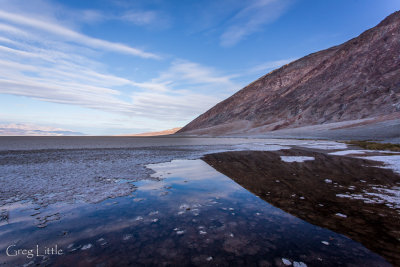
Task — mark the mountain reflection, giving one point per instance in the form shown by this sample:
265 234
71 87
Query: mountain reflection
319 191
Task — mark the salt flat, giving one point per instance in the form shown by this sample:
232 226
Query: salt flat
91 193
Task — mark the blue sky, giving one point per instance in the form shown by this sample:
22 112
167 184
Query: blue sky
114 67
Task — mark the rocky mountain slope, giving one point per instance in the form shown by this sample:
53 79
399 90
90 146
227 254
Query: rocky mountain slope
355 81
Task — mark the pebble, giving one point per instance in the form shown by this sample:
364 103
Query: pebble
286 262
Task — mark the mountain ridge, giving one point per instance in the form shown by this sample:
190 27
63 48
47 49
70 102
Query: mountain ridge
356 80
157 133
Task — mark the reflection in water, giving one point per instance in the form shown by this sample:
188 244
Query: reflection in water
192 216
313 191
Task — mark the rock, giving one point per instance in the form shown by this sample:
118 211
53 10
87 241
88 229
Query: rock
286 262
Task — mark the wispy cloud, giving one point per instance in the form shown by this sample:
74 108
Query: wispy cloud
49 60
139 17
177 106
88 16
252 18
190 89
45 67
54 79
73 36
183 73
149 18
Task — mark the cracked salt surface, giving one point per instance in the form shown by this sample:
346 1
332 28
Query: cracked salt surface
259 147
324 145
348 152
127 237
391 162
296 158
85 247
93 170
295 263
299 264
378 195
85 175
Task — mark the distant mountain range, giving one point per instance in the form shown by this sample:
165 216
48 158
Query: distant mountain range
20 129
165 132
350 85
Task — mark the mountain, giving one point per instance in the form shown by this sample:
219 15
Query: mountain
350 85
165 132
21 129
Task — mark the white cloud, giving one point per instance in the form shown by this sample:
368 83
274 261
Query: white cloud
88 16
150 18
186 74
190 89
12 30
169 96
140 17
43 59
47 68
180 106
73 36
251 18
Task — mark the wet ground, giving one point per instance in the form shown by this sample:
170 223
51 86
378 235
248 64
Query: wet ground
339 193
288 205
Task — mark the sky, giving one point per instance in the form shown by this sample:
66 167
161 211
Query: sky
118 67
